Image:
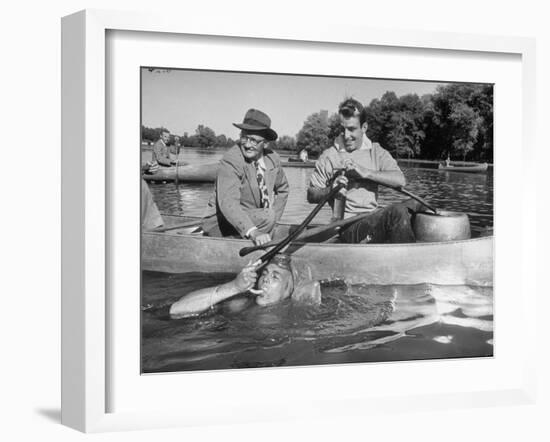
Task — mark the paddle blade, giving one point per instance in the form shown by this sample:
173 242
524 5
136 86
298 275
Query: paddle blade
247 250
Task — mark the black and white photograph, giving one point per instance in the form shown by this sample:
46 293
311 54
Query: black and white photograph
293 220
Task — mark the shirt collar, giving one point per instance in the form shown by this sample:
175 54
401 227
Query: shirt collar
366 144
261 163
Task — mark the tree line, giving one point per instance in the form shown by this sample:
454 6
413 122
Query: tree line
203 137
455 121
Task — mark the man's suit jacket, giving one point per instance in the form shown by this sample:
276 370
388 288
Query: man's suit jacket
161 153
236 190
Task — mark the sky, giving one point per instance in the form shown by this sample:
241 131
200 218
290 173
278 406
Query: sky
180 100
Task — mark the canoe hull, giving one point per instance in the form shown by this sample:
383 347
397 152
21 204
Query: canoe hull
201 173
298 163
468 262
478 168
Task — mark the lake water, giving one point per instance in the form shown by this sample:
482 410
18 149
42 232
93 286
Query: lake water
360 323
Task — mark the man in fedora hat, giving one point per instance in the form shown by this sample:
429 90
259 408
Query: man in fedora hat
251 188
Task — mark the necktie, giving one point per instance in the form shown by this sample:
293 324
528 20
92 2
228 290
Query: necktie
264 196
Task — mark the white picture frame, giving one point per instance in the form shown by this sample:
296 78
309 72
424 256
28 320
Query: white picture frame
86 315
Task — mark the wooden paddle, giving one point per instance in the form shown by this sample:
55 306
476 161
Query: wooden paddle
308 233
340 223
177 165
267 256
413 196
400 189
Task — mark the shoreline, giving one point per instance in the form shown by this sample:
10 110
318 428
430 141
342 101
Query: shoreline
288 154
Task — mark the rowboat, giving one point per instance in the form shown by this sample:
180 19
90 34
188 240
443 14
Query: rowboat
474 168
294 162
466 262
202 173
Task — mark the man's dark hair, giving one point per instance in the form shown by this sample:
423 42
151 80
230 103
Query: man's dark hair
350 107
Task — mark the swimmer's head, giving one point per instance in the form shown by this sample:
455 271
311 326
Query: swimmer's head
276 281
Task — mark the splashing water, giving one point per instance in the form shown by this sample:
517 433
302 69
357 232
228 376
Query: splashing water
354 323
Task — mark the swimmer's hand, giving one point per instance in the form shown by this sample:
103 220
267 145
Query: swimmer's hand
247 277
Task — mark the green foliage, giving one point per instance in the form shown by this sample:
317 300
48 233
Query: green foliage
457 120
204 137
285 142
149 134
314 134
397 123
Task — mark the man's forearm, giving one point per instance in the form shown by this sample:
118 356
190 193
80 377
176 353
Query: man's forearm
392 178
201 300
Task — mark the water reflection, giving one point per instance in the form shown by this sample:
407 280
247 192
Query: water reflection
353 323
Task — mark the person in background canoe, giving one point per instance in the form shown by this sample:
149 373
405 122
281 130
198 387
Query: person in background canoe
361 159
279 280
303 155
150 168
251 188
161 152
448 161
150 216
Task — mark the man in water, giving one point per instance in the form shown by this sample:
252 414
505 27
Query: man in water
365 163
277 282
251 188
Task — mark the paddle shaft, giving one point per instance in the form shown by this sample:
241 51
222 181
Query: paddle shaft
267 256
177 181
414 197
308 233
399 189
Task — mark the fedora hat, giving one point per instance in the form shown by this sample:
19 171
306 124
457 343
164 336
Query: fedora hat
256 121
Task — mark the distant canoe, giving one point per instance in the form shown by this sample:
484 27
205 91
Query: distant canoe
296 162
474 168
190 173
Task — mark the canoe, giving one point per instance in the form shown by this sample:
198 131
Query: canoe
467 262
474 168
201 173
293 162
